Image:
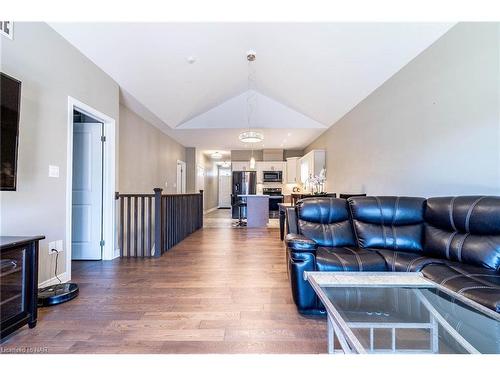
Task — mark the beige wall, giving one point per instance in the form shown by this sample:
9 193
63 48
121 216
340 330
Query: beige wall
210 180
148 157
432 129
50 70
293 153
191 170
245 155
211 192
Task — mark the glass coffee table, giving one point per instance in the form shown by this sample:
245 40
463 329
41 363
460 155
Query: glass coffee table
401 312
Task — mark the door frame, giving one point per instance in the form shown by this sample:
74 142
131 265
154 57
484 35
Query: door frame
108 183
199 169
219 186
183 177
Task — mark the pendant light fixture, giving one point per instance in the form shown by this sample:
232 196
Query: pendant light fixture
251 136
252 161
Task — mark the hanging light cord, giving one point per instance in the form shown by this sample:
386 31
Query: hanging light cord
251 96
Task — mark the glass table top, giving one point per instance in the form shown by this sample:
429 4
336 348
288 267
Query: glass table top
414 316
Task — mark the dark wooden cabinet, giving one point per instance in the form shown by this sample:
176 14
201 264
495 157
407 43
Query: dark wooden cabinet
18 283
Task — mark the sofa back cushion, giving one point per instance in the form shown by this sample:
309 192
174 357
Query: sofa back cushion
464 229
394 223
326 221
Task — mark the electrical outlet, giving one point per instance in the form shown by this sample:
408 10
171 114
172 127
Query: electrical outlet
58 245
52 245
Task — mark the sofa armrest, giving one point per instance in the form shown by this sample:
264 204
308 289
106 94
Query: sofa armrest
298 242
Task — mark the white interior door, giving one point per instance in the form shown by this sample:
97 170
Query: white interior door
225 191
200 178
87 191
181 177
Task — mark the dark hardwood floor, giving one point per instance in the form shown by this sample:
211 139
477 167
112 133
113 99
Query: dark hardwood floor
221 290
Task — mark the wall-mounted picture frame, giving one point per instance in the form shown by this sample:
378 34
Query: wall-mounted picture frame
7 29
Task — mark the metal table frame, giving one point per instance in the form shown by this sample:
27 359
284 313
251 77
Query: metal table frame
338 327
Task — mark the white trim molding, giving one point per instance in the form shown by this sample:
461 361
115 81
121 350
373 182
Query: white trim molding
210 210
53 281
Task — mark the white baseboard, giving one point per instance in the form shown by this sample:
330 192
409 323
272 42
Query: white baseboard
115 254
63 276
210 210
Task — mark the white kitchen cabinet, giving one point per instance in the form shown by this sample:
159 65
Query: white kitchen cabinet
311 164
293 170
270 165
240 166
304 169
262 166
277 165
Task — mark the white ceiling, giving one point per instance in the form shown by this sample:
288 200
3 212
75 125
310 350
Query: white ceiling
308 75
266 113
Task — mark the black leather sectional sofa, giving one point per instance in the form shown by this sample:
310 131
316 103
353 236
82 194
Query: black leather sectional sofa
453 241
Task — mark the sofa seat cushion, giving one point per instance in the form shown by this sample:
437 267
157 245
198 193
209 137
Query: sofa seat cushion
348 259
403 261
479 284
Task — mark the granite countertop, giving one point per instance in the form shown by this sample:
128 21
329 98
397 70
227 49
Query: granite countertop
356 279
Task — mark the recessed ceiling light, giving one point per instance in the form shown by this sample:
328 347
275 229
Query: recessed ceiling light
251 55
289 134
191 59
216 155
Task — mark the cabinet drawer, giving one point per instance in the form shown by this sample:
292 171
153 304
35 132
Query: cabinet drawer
12 274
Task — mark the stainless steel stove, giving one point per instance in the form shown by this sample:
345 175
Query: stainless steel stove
275 197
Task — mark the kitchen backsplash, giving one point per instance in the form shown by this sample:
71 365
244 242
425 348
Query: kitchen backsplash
287 189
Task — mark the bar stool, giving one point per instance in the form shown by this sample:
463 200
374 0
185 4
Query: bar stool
240 223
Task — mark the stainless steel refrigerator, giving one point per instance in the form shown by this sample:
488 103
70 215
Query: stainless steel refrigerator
243 183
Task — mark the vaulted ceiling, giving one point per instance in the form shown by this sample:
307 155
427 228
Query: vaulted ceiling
307 75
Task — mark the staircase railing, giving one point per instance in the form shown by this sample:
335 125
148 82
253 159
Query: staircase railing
150 224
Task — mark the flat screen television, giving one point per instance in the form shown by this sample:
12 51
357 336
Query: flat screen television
10 103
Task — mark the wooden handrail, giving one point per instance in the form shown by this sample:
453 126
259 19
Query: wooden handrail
150 224
180 194
118 195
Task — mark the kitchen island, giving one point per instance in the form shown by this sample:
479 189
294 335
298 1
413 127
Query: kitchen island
257 210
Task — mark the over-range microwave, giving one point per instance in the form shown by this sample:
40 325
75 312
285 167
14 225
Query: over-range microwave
272 176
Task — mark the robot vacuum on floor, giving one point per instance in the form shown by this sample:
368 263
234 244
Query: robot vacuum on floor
57 294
